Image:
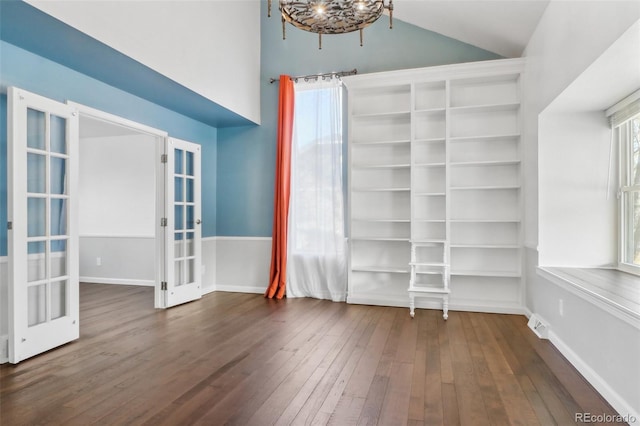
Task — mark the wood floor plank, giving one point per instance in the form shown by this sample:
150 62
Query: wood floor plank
530 365
351 402
375 397
326 409
470 402
482 359
446 367
537 404
239 405
395 406
496 361
450 410
417 397
335 372
434 403
298 386
238 359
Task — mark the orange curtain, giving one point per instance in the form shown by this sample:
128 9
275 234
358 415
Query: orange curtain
278 274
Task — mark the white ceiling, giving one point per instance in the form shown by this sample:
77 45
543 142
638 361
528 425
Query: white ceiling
610 78
500 26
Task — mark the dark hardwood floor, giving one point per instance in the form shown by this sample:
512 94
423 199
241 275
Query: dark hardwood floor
233 358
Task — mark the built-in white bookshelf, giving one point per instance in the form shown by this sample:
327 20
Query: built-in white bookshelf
435 187
380 185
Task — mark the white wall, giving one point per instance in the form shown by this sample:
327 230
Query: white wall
117 203
577 207
569 38
200 44
117 186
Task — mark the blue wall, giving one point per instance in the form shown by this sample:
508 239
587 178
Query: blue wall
44 77
246 155
241 159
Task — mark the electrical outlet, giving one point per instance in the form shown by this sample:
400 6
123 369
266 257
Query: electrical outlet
98 261
561 307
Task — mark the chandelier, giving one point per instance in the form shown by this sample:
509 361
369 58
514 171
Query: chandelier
332 16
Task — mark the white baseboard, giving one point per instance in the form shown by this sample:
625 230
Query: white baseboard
208 289
118 281
617 402
230 238
241 288
4 349
421 303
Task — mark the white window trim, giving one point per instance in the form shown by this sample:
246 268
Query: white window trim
620 116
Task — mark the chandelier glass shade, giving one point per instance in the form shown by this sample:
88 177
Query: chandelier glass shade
332 16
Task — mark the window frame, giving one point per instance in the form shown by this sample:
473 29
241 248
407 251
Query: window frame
626 190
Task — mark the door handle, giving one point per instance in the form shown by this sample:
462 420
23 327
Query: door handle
198 221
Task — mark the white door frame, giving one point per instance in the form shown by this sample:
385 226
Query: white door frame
83 110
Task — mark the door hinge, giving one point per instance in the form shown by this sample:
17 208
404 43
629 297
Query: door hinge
163 285
164 158
9 226
163 221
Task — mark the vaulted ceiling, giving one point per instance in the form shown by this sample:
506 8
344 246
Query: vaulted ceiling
500 26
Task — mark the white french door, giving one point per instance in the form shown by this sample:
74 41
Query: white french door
183 253
43 238
43 163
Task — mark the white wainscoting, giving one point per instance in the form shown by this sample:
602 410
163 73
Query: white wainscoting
209 263
602 346
4 297
123 259
242 264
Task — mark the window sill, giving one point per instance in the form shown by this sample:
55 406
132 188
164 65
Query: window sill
615 291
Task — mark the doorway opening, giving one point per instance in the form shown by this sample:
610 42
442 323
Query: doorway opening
117 203
121 194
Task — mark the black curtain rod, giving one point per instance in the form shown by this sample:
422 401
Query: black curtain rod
317 76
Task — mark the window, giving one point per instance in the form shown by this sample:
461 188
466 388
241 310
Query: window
629 137
316 258
316 211
625 121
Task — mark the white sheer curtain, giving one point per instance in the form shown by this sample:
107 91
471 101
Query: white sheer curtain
316 254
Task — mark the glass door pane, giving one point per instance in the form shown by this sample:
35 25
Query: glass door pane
37 308
47 258
36 129
36 261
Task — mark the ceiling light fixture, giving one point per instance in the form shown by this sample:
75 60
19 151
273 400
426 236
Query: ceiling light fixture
332 16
